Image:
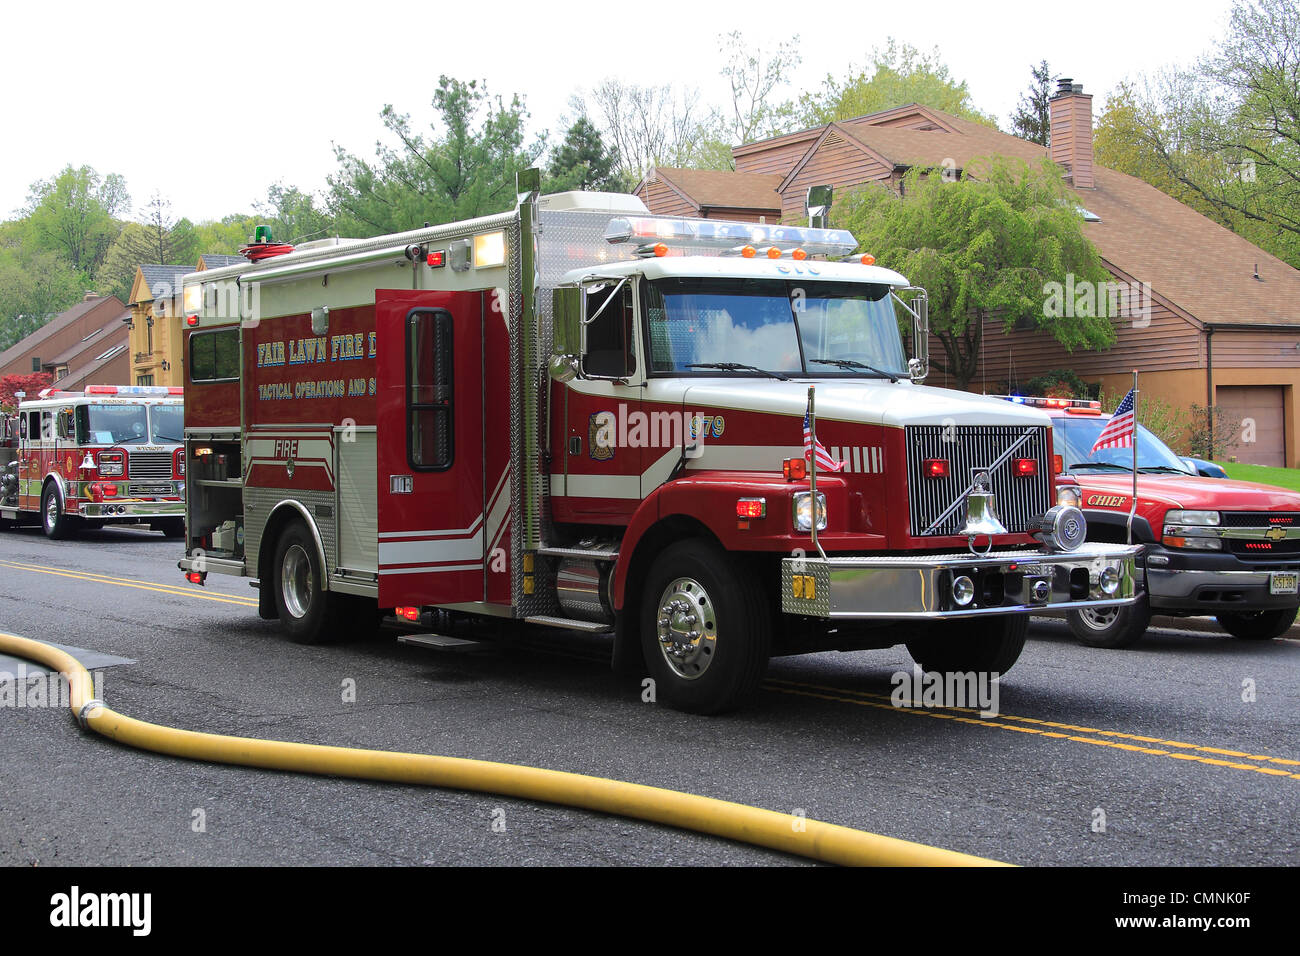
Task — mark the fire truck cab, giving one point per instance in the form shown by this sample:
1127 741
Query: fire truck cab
108 455
581 416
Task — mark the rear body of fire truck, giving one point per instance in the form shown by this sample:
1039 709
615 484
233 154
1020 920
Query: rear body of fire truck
108 455
567 415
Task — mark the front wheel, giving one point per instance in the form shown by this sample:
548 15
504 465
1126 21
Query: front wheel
706 628
300 601
987 645
1259 626
1112 627
57 525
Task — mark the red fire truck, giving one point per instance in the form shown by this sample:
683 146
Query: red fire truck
582 416
109 455
1211 545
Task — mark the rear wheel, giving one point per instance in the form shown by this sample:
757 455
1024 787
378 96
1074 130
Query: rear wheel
1259 626
57 525
990 645
706 629
1112 627
300 601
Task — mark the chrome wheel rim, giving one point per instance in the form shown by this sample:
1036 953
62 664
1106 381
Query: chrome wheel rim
1099 618
687 628
51 512
295 581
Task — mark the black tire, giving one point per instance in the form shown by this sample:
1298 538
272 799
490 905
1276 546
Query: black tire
56 524
719 599
1259 626
171 527
1111 627
300 602
983 645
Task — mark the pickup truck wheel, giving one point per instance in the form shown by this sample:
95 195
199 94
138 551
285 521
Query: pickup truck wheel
300 601
1259 626
56 524
1110 626
706 629
984 645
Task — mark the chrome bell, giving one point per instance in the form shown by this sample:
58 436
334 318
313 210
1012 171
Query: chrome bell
981 515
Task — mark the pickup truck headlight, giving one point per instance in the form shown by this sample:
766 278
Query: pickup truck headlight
1199 518
803 511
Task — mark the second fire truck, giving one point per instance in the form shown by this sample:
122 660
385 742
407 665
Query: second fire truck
585 417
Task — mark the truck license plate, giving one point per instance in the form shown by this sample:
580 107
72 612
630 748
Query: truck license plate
1283 582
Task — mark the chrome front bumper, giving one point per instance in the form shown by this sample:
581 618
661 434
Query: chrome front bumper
893 587
132 510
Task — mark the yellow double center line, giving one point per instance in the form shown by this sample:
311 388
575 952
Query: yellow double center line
1119 740
178 590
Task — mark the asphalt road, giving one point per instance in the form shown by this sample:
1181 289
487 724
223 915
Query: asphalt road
1144 756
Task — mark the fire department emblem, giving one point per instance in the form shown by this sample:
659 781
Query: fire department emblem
600 436
70 466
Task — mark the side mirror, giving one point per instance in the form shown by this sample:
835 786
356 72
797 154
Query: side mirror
567 332
918 366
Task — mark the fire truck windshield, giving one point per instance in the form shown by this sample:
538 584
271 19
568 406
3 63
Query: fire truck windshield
1074 438
794 328
167 423
112 424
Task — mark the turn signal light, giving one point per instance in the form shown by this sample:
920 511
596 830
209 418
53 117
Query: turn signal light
1058 465
749 252
794 468
751 508
661 249
410 613
799 255
773 252
936 467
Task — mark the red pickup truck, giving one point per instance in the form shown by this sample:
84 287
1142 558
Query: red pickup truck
1212 546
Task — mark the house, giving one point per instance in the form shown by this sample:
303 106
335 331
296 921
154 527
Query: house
86 344
711 194
1211 320
157 339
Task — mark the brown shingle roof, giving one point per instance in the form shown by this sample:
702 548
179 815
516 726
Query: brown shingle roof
56 324
721 189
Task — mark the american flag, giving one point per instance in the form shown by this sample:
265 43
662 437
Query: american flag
1119 431
824 459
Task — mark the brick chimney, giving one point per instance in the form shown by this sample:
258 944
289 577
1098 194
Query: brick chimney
1070 111
87 296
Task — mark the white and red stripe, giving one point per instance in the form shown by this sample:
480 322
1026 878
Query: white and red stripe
1119 431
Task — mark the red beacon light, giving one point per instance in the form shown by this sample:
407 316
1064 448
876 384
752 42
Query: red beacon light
751 508
1026 467
935 467
868 260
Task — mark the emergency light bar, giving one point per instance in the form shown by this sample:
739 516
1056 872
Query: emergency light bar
139 390
1037 402
730 236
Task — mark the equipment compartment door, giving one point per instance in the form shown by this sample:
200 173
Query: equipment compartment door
429 431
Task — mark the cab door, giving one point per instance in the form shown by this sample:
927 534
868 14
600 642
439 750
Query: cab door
430 454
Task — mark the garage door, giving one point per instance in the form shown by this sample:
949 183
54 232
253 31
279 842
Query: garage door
1260 405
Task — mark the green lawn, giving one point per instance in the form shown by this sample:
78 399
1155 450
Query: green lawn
1282 477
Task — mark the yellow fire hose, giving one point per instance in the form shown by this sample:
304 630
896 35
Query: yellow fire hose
734 821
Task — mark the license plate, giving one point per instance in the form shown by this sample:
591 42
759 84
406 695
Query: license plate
1283 582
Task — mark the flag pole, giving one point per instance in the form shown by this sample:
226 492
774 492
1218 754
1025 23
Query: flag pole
1132 507
812 465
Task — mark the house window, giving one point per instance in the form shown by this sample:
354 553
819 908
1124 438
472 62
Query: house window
144 380
36 363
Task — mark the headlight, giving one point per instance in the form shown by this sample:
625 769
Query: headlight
1201 518
803 511
1069 495
111 463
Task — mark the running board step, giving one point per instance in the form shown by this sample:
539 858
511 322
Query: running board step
589 626
579 553
440 642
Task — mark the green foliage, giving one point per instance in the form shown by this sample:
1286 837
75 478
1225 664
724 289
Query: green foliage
1058 383
898 75
983 247
292 215
73 214
224 237
1213 432
158 239
1032 118
35 285
1172 424
582 161
1280 477
1223 135
464 168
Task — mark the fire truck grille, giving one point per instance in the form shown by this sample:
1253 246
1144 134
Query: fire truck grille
968 448
150 464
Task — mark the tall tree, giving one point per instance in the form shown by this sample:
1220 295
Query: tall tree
35 285
646 125
582 161
157 238
293 214
1032 118
465 167
1224 134
754 74
898 75
74 214
986 247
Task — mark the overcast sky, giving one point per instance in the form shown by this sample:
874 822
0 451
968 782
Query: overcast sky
210 104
